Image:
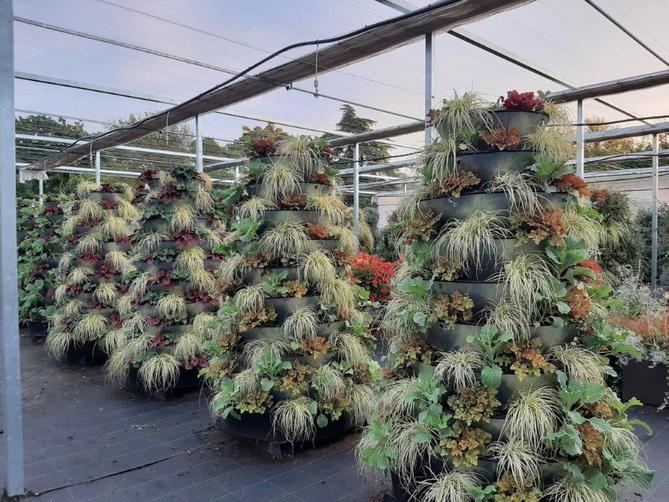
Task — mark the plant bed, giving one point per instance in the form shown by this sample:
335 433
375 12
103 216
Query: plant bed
487 165
187 381
257 429
645 382
85 354
526 122
466 204
275 216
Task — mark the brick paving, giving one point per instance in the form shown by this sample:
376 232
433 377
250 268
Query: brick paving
86 441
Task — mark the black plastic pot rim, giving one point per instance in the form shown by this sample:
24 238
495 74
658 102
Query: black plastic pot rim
520 111
488 152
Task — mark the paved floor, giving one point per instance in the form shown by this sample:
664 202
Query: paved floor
86 441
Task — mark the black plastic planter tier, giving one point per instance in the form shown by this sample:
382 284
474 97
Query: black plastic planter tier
486 469
455 338
276 332
86 354
115 196
258 428
463 206
526 122
483 294
493 260
308 189
276 216
188 381
648 384
285 307
487 165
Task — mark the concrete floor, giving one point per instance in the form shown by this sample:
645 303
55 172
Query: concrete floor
86 441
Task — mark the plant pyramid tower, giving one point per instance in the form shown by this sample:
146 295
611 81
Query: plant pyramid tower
289 353
85 323
40 239
497 323
173 290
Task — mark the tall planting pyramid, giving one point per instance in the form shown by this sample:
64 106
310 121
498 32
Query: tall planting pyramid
497 323
173 289
85 323
288 358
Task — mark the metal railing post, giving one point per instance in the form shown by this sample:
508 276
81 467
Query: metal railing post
654 229
97 168
40 189
356 190
199 165
9 304
580 140
429 53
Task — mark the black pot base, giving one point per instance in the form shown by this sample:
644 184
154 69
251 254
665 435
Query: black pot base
188 381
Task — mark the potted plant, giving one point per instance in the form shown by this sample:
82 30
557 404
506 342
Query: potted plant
85 324
173 291
494 320
288 354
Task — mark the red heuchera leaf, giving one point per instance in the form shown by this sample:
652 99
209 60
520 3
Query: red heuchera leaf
106 187
321 178
163 277
523 101
592 265
317 231
53 211
184 239
502 138
108 204
199 297
373 273
154 321
264 147
168 193
571 182
196 362
106 271
158 342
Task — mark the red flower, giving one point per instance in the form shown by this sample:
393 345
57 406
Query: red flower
523 101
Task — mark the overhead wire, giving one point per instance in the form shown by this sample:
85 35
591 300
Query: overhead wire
317 42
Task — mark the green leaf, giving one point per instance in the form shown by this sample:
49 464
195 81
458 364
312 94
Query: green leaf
421 436
491 376
600 424
563 307
266 384
312 407
321 420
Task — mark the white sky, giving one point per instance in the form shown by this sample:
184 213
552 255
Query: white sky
567 38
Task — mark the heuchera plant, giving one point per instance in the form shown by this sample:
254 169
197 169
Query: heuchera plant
373 274
523 102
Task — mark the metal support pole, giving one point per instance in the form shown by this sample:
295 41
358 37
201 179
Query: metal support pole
97 168
654 230
236 172
9 318
356 190
199 164
580 140
40 188
429 53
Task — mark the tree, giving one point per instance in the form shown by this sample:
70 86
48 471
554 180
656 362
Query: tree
350 122
616 147
32 150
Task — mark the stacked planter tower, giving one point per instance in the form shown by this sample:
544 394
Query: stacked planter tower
288 358
40 240
496 323
172 290
85 324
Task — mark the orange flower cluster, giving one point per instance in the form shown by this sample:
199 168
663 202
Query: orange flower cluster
570 182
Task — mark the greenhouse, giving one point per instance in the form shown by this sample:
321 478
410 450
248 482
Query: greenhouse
336 250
